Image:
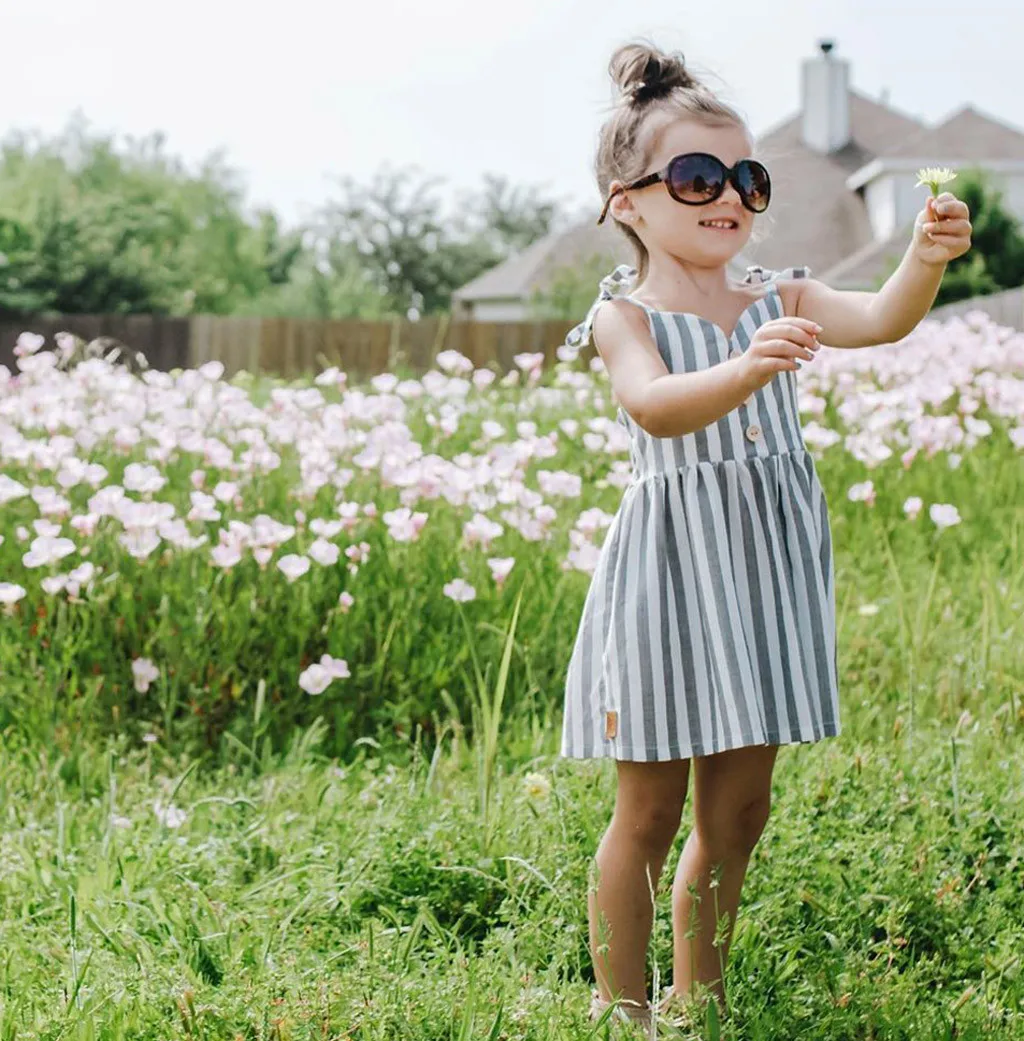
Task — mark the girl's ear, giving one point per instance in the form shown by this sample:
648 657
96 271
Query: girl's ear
622 208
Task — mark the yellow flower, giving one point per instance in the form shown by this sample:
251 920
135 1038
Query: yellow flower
537 786
934 177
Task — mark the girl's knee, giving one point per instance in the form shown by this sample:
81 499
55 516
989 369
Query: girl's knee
652 826
734 831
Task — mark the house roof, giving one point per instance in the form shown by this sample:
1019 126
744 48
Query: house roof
867 264
528 270
815 220
967 136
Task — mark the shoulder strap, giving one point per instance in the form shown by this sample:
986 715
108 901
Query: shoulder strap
617 283
757 274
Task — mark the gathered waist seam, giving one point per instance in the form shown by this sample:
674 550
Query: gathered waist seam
640 478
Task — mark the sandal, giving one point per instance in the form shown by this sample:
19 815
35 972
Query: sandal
626 1010
683 1013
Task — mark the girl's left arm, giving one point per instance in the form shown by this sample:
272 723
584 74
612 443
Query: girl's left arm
942 232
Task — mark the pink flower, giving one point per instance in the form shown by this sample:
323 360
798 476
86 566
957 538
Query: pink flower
481 529
863 492
912 507
500 567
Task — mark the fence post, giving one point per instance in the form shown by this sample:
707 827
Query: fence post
394 343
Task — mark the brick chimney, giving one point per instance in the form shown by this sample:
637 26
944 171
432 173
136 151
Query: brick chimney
826 101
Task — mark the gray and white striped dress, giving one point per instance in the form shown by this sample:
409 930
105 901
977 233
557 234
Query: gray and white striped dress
710 619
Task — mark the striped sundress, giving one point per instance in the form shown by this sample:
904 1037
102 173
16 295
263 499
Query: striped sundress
710 619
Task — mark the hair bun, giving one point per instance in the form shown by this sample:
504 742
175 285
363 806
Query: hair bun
643 72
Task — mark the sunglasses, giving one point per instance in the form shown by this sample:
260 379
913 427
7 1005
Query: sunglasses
698 178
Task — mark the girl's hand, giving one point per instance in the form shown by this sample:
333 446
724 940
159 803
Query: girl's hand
942 231
774 348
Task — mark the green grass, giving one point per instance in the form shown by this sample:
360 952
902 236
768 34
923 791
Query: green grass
369 863
301 898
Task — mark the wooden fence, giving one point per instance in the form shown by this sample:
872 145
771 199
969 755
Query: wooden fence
1005 308
292 347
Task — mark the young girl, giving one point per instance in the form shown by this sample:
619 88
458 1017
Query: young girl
708 633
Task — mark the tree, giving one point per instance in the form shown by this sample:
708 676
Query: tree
512 217
91 227
571 289
413 252
995 260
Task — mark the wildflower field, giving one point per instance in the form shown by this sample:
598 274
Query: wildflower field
281 673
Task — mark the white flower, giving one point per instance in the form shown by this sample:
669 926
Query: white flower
28 343
943 514
170 816
314 679
536 786
459 590
141 477
46 549
868 609
294 566
11 592
227 554
317 677
912 506
144 673
53 584
324 552
933 177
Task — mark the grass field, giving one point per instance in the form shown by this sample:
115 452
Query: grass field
253 786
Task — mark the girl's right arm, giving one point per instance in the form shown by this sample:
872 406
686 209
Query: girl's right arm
669 404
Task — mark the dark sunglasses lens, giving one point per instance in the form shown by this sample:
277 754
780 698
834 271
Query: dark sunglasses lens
696 178
755 185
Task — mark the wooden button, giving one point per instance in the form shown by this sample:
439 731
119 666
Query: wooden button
753 432
611 724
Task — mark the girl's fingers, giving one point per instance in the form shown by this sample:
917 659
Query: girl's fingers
787 330
786 349
953 208
792 319
949 227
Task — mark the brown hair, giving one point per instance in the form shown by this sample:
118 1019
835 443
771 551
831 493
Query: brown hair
649 80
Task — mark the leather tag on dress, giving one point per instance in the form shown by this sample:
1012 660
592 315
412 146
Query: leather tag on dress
611 724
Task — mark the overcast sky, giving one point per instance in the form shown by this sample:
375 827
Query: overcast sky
299 91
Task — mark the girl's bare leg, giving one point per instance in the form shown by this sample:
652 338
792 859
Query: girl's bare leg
732 797
648 806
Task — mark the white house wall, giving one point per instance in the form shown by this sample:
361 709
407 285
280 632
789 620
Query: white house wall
880 198
908 200
1012 187
498 311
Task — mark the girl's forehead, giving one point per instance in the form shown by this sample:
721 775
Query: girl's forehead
727 141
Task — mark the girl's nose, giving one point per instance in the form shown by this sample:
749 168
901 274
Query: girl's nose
730 193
